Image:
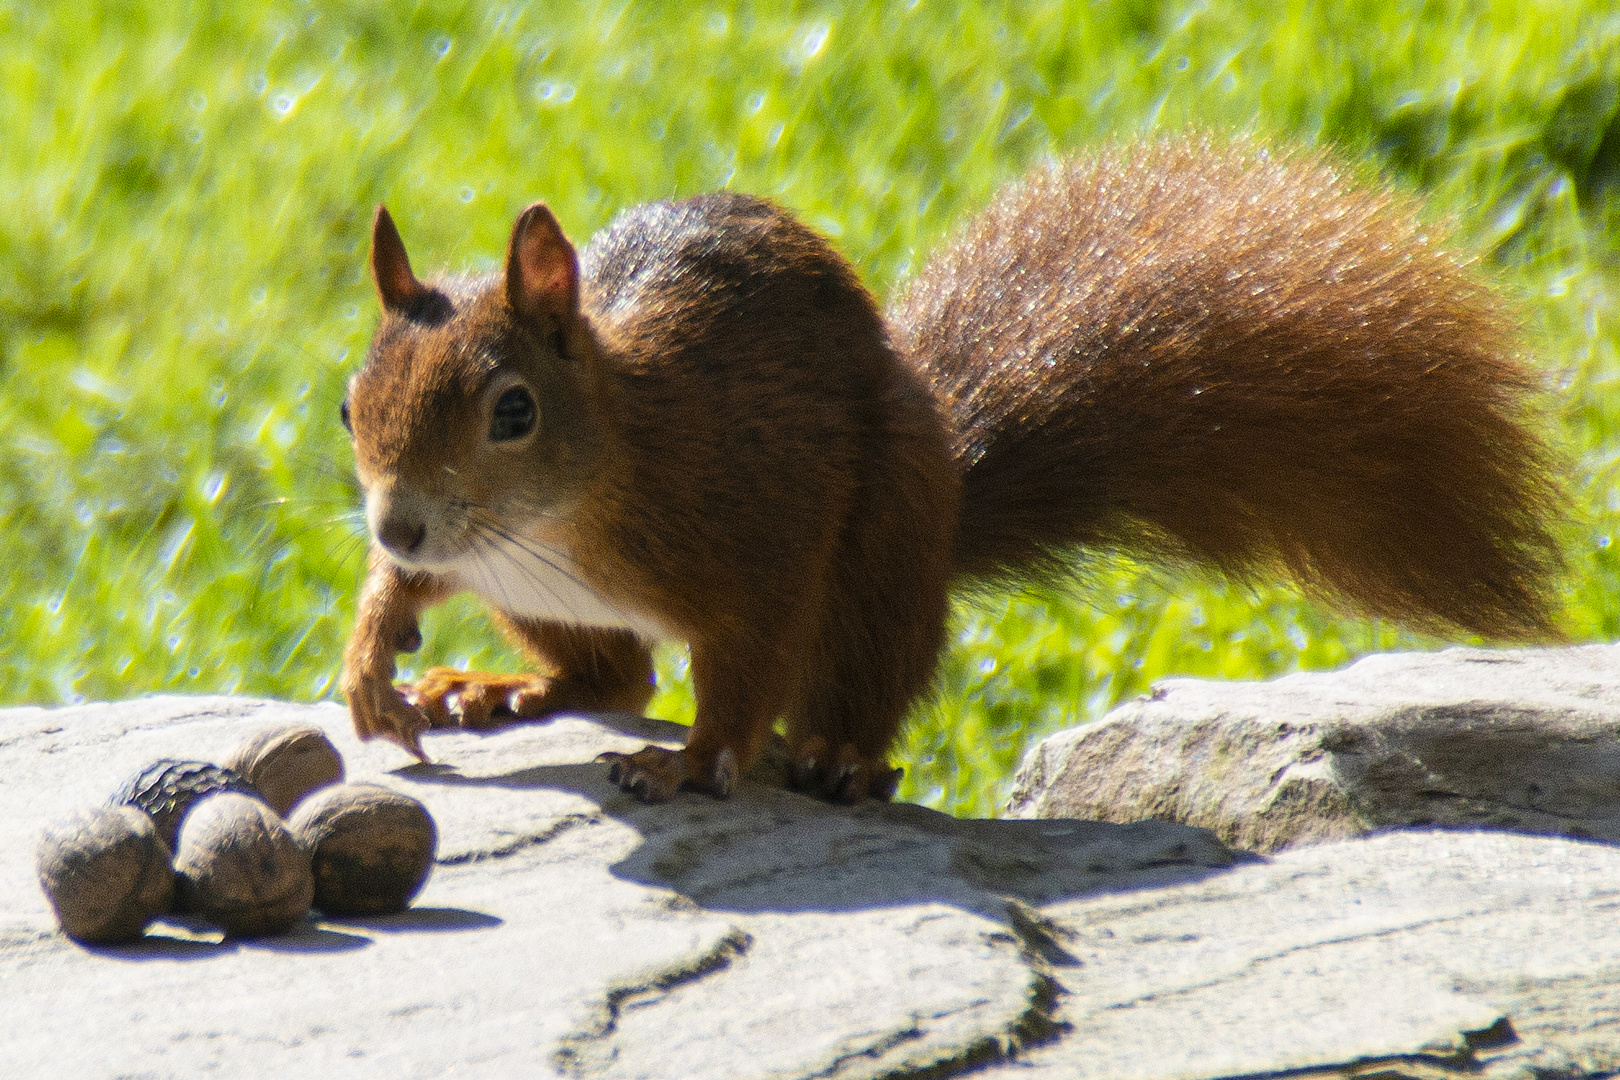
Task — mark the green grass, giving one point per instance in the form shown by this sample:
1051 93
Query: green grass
185 190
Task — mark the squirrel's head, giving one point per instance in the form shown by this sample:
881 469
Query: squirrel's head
472 418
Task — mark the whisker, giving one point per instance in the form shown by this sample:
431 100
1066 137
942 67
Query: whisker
553 561
300 530
484 547
519 506
526 571
541 552
489 571
349 548
303 500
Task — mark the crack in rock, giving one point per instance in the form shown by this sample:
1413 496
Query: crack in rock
1040 935
521 843
1309 946
1036 1026
585 1050
1465 1062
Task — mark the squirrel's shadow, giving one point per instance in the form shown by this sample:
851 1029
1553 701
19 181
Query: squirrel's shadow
767 849
770 850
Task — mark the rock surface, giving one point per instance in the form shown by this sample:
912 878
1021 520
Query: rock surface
569 930
1525 740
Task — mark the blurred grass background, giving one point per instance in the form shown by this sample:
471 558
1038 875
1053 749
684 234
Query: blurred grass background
185 191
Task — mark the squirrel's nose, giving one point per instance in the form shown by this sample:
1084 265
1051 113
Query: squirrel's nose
400 535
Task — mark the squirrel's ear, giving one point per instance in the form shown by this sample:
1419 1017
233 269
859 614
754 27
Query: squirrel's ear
542 271
390 267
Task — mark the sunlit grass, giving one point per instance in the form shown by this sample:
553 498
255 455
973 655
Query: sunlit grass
185 189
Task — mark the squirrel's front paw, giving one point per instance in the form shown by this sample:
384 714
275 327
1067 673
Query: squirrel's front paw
449 697
379 710
654 773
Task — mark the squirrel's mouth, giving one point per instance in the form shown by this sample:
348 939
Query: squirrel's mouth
523 572
417 530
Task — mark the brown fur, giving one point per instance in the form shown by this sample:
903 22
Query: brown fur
1206 350
1192 348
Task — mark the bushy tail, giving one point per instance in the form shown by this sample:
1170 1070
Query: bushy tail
1200 349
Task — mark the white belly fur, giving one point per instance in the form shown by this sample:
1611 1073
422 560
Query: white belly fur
543 583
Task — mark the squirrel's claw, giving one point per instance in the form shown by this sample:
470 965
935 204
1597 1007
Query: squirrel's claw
845 778
411 744
654 774
380 711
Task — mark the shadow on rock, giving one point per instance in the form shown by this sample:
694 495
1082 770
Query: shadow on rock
770 850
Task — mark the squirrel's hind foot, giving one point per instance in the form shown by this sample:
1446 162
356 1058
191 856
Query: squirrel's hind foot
654 774
845 778
478 700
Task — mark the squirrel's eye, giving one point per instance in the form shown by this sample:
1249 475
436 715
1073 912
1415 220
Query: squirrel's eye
343 414
514 416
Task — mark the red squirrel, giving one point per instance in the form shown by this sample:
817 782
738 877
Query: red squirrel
701 428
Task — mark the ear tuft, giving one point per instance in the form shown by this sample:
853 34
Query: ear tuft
542 270
397 287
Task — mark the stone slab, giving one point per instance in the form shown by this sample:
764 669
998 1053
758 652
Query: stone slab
1525 739
568 930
